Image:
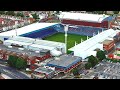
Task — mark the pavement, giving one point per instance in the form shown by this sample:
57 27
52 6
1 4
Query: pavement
12 73
5 76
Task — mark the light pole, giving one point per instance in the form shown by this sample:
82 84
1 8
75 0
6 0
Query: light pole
16 24
66 29
16 31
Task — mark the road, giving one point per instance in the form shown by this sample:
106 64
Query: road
12 73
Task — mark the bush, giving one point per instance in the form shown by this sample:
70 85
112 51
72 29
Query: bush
118 54
68 52
112 60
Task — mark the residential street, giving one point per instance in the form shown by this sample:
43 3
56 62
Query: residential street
12 73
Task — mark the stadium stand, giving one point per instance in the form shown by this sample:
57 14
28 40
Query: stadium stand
82 30
42 33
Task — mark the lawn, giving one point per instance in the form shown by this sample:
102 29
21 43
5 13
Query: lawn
59 37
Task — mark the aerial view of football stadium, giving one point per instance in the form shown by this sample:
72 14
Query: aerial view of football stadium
59 45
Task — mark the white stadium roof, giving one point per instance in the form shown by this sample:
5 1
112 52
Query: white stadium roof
94 40
83 16
9 42
38 47
92 43
23 39
34 44
49 43
26 29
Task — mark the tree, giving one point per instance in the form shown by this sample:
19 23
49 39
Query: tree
116 12
12 60
75 72
101 55
20 14
93 60
57 12
21 63
88 65
35 16
2 12
98 12
10 13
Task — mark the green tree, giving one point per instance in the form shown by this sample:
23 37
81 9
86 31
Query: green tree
2 12
100 55
57 12
10 13
35 16
20 14
93 60
98 12
116 12
75 72
21 63
12 60
88 65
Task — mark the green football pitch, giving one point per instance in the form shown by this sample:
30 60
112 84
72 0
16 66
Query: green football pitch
60 37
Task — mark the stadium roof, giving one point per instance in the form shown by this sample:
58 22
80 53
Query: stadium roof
22 39
93 40
16 42
34 44
92 43
65 61
26 29
49 43
85 17
39 47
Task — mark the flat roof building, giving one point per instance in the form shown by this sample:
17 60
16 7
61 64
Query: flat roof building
107 42
65 63
43 72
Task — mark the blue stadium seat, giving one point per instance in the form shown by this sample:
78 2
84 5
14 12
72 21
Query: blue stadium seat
82 30
41 33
